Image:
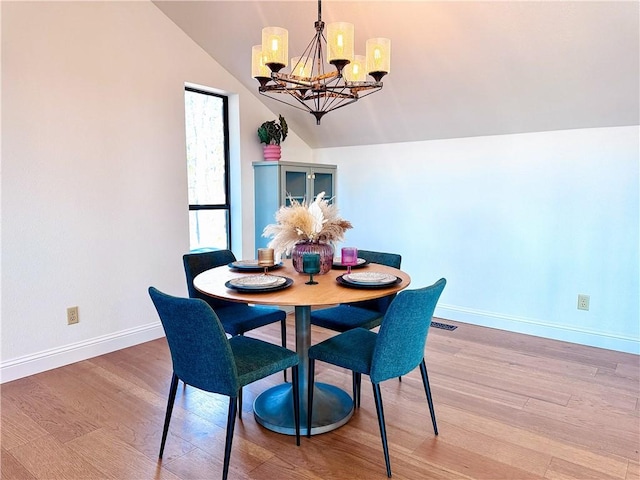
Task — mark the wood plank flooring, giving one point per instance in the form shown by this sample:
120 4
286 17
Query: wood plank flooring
509 406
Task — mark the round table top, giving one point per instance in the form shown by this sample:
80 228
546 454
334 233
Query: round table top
327 292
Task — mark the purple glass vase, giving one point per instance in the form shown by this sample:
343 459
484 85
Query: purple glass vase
324 249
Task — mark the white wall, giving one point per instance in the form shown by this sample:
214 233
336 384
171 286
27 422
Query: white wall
518 224
94 189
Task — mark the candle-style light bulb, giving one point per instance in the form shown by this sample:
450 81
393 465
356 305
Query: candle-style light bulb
340 44
275 47
378 57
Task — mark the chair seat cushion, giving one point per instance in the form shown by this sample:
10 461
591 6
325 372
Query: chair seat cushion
240 318
352 350
256 359
346 317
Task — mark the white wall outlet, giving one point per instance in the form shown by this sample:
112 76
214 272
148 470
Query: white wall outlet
583 302
72 315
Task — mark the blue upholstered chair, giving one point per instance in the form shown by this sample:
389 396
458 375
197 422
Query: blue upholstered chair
236 318
205 358
395 350
367 314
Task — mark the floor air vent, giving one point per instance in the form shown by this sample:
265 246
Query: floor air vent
443 326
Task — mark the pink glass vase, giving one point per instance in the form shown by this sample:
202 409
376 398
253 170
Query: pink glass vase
324 249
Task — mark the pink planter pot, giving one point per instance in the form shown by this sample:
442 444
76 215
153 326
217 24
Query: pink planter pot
272 152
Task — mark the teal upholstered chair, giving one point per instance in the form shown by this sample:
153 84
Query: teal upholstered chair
367 314
395 350
205 358
236 318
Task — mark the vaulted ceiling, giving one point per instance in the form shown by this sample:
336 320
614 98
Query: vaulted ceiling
458 69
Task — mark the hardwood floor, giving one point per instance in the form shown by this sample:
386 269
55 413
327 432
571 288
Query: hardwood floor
509 406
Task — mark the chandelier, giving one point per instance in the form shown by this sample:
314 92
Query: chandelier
313 85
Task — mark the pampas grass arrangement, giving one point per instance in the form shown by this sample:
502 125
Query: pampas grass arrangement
318 222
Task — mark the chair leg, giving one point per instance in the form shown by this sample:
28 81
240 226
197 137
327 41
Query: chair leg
312 367
231 422
427 390
239 407
283 333
295 384
354 388
167 418
383 431
357 382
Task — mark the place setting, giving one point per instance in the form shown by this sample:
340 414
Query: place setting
251 266
264 263
264 282
367 279
348 260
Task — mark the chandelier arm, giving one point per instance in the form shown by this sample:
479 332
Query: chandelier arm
304 107
334 101
372 90
343 104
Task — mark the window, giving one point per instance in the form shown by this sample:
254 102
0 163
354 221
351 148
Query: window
207 137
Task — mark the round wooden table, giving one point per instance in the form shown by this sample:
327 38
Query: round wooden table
332 406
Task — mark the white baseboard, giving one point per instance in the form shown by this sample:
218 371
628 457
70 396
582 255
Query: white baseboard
538 328
58 357
75 352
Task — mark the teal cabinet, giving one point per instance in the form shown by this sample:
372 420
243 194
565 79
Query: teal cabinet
276 183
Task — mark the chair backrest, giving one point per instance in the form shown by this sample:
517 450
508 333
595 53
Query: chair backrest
196 263
383 258
403 332
200 352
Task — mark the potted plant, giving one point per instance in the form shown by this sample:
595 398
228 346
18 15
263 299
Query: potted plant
272 133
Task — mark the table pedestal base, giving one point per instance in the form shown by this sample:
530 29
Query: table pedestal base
332 408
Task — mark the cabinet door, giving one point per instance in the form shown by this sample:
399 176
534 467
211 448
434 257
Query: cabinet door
323 179
295 185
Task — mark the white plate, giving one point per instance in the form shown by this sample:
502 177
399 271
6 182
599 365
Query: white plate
338 262
370 278
258 281
251 265
245 263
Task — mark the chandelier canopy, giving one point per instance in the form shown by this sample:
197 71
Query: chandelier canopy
313 84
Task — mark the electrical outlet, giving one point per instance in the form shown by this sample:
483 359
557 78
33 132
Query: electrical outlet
583 302
72 315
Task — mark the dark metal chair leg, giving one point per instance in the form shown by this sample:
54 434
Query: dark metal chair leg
283 333
383 431
354 388
167 418
295 384
358 381
427 390
231 422
239 407
312 367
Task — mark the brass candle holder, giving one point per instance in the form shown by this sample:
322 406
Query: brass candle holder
266 259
